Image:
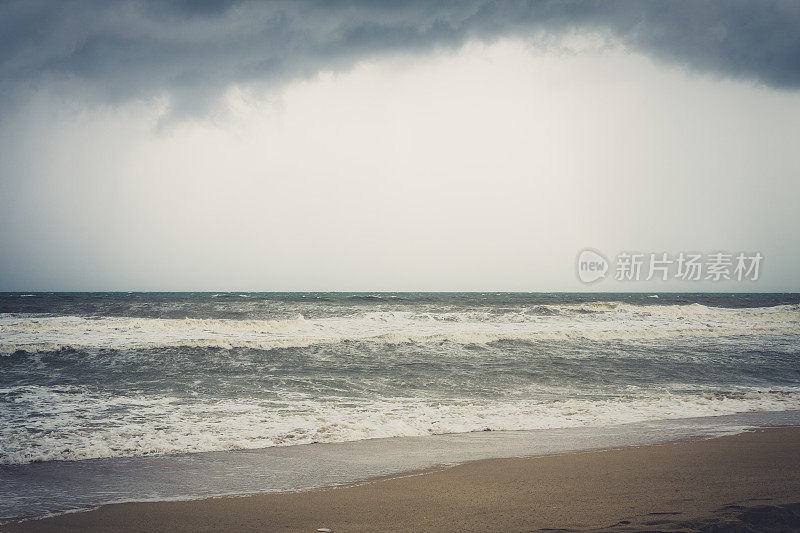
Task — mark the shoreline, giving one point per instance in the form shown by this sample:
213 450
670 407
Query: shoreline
50 488
661 485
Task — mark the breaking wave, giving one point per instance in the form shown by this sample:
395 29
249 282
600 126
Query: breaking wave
597 321
67 427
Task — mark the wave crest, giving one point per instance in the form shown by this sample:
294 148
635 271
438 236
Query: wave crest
600 321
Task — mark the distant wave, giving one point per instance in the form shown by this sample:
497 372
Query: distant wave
598 321
374 297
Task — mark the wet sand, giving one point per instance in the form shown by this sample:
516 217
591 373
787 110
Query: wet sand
749 481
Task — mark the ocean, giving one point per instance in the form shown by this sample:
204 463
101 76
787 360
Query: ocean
108 397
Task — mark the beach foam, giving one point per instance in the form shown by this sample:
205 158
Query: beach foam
72 424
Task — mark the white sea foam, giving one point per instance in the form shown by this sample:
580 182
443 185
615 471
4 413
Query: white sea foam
598 321
72 424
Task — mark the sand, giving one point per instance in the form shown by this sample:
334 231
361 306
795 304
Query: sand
751 480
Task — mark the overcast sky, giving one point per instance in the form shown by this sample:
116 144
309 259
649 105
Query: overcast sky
393 146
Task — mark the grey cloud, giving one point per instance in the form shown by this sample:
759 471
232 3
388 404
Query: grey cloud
191 50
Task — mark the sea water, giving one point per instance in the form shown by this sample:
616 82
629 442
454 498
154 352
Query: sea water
102 395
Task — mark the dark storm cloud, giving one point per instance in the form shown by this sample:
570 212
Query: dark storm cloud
191 50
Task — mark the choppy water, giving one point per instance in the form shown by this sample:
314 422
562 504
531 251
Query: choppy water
99 375
87 376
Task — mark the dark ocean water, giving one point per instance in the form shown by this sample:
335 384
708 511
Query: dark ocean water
119 377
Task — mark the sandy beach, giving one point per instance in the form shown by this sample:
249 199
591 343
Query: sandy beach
748 480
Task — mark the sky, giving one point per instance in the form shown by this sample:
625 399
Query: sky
394 146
